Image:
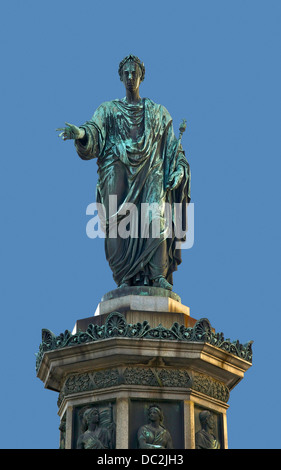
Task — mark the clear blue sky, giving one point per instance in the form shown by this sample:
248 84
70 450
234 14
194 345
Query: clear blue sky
215 63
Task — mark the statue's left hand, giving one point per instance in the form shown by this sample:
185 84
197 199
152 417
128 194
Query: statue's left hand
175 179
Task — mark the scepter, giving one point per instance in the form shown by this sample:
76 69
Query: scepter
182 130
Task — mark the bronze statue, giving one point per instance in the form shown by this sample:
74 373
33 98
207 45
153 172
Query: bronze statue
94 434
140 161
205 439
154 435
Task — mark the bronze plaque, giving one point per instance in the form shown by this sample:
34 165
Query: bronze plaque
208 429
94 426
156 424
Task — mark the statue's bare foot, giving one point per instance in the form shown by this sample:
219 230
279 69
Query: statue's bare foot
163 283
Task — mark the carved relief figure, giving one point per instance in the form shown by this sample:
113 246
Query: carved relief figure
62 428
95 435
205 439
154 435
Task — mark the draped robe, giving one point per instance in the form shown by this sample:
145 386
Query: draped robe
137 171
98 439
150 438
205 440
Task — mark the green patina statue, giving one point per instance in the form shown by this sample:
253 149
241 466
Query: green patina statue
94 434
205 439
140 161
154 435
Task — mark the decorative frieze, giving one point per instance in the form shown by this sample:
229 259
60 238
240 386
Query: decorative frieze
144 376
116 326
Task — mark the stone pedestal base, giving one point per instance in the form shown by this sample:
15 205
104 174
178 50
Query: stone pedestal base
120 363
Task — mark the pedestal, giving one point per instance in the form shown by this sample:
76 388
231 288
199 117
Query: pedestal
139 350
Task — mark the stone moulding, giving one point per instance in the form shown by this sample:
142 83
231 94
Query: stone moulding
117 326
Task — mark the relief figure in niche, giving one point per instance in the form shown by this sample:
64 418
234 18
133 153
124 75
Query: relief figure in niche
95 434
154 435
205 439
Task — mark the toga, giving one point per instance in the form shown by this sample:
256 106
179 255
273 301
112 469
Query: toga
137 169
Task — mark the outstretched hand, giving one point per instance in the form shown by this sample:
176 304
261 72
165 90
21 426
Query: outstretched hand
71 132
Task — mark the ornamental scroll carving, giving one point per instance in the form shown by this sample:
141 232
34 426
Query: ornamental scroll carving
116 326
144 376
210 387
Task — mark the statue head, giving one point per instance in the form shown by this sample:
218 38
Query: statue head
206 419
91 416
155 413
132 59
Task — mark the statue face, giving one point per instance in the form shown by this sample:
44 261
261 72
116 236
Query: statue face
131 75
210 421
93 417
154 414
